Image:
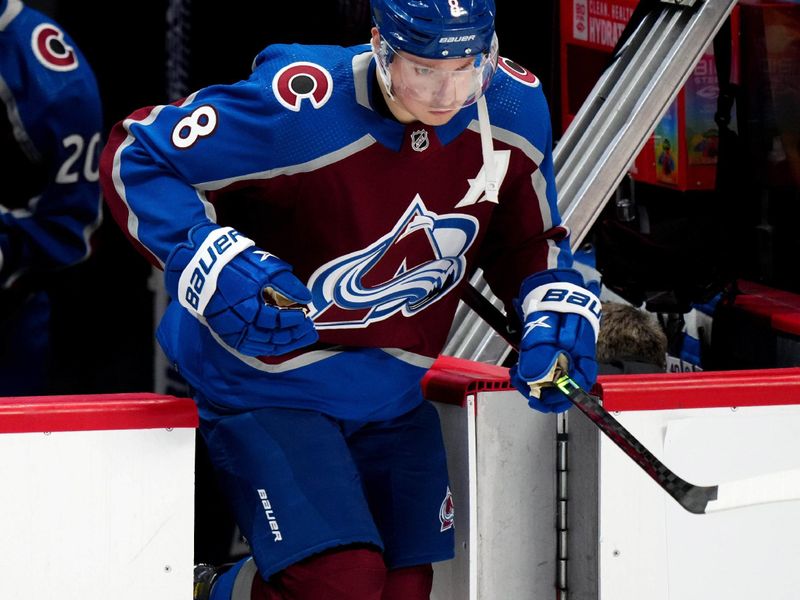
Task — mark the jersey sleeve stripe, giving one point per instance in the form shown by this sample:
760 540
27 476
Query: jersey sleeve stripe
318 163
119 141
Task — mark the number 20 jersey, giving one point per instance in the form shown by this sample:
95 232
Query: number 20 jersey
50 133
384 222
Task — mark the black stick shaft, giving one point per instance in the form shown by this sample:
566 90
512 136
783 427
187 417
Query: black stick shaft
691 497
489 313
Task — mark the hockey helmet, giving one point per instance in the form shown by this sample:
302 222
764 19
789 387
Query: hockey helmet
437 30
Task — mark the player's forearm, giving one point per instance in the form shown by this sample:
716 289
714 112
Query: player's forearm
53 233
511 264
151 201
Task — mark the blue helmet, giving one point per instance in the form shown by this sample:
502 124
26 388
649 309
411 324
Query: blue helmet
436 28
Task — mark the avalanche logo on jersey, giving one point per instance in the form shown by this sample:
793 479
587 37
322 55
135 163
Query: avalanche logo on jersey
418 262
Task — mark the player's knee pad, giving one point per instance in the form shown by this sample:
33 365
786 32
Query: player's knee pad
409 583
349 573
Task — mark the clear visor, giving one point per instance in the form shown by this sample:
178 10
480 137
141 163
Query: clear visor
439 84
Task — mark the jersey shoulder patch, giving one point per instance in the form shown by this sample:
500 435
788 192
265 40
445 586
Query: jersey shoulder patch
302 80
51 48
518 72
302 76
518 104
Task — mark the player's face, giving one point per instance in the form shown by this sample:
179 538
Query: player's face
433 91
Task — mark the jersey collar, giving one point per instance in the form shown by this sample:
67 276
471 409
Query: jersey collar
391 132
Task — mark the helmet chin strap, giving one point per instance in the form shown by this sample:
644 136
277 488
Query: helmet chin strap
489 166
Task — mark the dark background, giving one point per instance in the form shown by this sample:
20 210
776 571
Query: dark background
103 309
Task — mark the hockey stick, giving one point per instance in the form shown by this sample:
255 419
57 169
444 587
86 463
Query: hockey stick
762 489
693 498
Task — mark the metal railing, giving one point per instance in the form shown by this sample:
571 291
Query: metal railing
612 126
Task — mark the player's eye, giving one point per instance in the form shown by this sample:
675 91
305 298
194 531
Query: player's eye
423 71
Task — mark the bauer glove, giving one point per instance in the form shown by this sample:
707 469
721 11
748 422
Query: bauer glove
249 298
561 320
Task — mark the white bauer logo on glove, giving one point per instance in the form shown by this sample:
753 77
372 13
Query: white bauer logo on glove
239 292
562 321
565 298
198 281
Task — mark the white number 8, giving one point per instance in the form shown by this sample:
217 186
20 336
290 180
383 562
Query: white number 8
201 123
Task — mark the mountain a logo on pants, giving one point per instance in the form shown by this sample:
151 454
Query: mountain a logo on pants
447 511
417 263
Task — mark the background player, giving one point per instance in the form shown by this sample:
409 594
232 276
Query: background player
373 172
50 204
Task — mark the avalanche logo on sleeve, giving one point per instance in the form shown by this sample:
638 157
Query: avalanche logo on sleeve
301 80
50 48
407 270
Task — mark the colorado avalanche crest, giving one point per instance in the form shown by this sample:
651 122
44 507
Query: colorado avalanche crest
418 262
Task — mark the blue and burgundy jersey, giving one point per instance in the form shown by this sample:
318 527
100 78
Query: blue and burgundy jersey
50 132
384 222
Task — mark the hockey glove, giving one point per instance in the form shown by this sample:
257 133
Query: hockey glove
561 321
248 297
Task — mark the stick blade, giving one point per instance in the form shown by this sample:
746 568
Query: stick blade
696 498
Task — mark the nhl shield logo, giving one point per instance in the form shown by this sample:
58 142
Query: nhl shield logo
419 140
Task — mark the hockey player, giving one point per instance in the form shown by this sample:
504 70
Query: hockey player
316 224
50 203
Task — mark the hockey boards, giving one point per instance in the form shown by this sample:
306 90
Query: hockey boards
763 489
